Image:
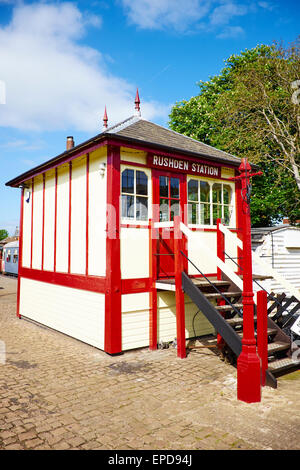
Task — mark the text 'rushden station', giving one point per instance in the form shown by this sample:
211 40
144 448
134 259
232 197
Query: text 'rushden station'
185 165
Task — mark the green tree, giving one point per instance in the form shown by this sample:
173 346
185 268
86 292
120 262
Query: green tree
3 234
252 110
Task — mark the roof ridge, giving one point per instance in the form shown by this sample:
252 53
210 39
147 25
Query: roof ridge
123 124
185 136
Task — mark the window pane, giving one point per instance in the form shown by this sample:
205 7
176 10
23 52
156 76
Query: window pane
193 217
141 183
128 207
174 209
128 181
217 193
204 191
164 210
205 214
217 213
141 208
193 190
164 186
174 188
226 194
227 214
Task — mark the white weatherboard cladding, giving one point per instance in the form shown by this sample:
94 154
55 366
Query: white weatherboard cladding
37 223
134 253
75 312
135 321
49 221
78 216
26 254
286 260
62 230
167 318
97 214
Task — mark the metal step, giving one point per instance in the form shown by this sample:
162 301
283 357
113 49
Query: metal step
225 308
236 321
277 346
270 332
225 294
283 364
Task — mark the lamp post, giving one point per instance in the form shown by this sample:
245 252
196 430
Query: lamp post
248 363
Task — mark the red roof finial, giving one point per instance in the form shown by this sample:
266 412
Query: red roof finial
105 119
137 103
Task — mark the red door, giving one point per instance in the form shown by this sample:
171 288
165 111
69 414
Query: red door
168 197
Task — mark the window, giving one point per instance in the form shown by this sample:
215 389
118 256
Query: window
209 201
169 201
134 194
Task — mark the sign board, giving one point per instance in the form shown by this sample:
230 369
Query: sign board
192 167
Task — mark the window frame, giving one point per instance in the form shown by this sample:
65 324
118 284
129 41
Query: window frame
211 182
134 220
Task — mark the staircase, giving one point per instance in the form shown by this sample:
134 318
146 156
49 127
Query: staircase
221 302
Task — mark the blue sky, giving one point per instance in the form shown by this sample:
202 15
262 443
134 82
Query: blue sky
61 62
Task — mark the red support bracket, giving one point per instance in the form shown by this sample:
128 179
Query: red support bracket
262 335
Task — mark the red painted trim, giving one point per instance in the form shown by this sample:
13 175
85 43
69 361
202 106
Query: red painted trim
70 217
20 252
220 247
87 213
134 226
134 286
142 165
31 245
113 315
152 290
55 221
179 294
43 222
75 281
239 221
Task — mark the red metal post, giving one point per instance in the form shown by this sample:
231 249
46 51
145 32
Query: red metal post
153 290
248 363
262 335
180 308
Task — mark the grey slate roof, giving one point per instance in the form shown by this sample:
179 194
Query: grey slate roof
136 129
146 131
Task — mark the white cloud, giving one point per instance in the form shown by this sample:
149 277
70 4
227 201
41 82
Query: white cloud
210 16
231 32
159 14
223 13
55 82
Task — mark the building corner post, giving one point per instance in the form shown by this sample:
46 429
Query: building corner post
113 310
179 294
20 252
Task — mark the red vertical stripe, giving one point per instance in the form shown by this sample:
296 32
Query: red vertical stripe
87 213
55 220
31 246
70 216
43 222
153 290
20 264
113 316
179 294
